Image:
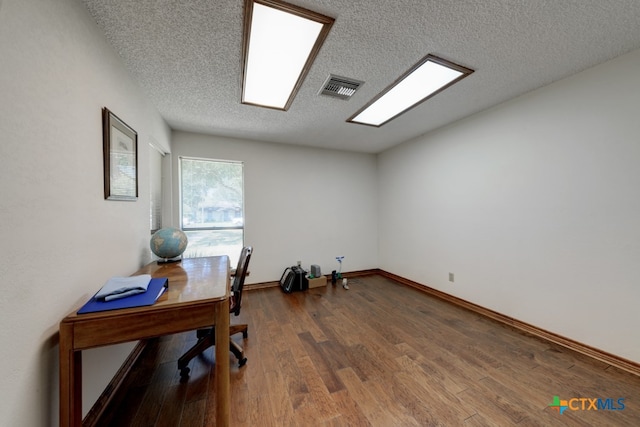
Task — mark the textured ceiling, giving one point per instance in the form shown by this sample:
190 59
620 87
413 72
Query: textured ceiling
186 55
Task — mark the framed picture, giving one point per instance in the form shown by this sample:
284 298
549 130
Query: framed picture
120 146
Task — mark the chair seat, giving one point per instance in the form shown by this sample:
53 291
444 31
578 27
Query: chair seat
233 329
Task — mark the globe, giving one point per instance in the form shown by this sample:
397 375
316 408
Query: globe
168 243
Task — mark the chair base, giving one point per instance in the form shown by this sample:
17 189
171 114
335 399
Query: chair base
206 339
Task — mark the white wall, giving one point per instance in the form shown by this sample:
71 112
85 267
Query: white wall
300 203
60 239
533 205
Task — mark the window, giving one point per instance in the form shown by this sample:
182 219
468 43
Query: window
212 207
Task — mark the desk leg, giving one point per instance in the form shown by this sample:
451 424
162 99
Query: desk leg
70 380
223 387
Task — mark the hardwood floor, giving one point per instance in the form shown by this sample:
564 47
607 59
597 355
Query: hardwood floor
379 354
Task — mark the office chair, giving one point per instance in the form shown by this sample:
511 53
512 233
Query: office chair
207 337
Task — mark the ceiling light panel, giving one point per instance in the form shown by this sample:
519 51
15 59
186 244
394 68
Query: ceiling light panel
280 43
427 78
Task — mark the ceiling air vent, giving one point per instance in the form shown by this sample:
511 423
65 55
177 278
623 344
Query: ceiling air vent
340 87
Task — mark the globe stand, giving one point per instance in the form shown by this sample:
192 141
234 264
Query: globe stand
169 260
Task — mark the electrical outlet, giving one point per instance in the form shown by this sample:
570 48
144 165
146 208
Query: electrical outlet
451 278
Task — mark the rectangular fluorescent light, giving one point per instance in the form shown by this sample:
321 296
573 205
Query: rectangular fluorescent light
427 78
280 43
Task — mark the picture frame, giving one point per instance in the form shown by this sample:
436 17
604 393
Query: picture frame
120 153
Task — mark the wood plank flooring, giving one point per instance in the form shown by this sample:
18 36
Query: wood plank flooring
379 354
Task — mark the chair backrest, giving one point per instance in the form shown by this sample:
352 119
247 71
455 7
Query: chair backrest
238 280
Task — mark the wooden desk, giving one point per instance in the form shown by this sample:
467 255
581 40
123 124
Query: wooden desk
198 297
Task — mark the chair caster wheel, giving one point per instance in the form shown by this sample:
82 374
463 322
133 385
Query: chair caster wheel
242 362
184 372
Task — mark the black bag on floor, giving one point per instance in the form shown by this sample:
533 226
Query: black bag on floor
294 279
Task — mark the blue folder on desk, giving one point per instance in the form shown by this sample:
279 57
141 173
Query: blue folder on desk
155 289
